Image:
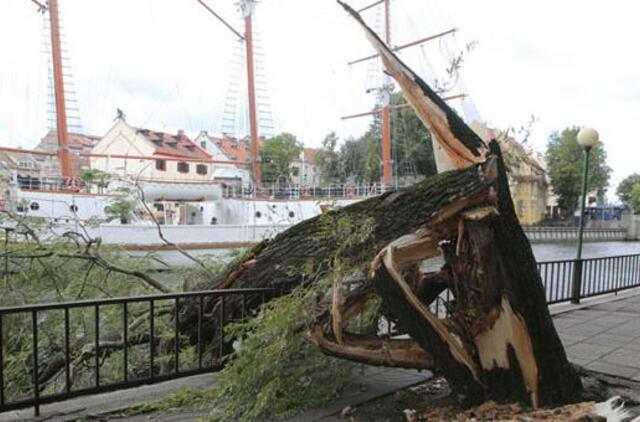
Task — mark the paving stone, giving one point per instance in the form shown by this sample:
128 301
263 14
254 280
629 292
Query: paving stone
578 361
613 306
607 339
569 339
623 356
633 345
587 351
589 313
629 329
565 322
586 329
612 369
611 320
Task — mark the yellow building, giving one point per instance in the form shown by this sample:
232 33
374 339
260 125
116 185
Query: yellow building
527 182
527 177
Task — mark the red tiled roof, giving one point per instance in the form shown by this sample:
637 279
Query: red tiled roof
82 142
235 149
174 145
310 155
77 144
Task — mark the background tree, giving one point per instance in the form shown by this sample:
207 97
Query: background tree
635 198
626 187
412 150
564 166
277 154
328 162
360 158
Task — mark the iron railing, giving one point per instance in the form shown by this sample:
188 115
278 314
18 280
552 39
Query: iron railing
546 234
572 279
160 366
563 280
294 191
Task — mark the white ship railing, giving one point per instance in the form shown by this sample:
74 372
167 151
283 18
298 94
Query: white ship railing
245 191
294 192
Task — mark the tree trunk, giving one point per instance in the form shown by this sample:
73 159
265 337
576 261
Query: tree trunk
498 340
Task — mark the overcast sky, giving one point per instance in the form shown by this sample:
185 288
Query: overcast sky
168 63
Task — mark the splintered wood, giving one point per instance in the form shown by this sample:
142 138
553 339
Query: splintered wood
490 411
509 331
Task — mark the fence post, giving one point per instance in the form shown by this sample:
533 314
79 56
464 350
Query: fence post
576 283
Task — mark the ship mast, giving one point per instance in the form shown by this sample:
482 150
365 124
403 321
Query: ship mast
385 111
247 7
58 85
387 175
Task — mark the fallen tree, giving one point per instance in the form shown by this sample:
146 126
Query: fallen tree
497 342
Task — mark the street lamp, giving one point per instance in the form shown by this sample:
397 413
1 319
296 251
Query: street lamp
587 138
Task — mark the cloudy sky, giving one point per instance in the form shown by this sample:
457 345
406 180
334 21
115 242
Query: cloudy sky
169 64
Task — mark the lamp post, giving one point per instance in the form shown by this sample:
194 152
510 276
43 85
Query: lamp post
587 138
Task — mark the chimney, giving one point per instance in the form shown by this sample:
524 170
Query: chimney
180 133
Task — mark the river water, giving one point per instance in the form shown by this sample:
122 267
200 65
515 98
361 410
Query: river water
557 251
542 252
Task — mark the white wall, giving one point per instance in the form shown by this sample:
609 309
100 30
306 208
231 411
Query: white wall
122 139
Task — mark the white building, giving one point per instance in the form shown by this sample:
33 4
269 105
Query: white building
223 148
151 155
303 169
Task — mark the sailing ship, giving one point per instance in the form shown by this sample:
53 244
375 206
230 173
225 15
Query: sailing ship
221 205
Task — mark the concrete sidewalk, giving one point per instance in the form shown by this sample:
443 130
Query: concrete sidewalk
367 383
604 337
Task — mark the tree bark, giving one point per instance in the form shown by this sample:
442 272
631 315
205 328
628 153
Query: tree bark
498 340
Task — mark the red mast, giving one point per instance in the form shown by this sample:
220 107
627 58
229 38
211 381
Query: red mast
385 111
387 172
251 86
58 85
247 7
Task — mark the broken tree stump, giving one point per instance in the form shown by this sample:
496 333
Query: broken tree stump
497 342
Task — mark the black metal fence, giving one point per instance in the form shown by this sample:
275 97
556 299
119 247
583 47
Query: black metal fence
160 314
563 280
573 280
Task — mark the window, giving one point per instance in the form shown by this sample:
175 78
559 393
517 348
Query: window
34 206
183 167
295 171
161 165
201 169
203 145
26 164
